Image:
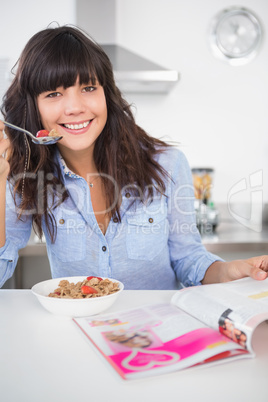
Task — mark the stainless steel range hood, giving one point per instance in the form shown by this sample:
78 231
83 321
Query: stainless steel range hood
135 74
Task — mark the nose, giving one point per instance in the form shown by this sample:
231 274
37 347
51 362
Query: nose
74 104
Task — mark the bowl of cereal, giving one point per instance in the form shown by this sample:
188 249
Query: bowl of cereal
77 296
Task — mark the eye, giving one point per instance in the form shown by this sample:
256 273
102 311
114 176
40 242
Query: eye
52 94
89 88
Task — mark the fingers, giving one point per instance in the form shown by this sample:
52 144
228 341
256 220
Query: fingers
2 126
242 268
4 144
258 274
246 268
259 262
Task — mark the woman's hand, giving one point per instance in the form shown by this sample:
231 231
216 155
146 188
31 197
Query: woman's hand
4 170
255 267
4 144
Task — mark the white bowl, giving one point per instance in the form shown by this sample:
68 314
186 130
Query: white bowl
73 307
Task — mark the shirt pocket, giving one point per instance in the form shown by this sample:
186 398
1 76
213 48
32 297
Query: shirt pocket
70 243
147 233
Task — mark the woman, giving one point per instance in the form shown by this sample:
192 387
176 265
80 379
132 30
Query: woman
110 200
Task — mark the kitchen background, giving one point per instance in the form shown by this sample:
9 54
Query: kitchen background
216 112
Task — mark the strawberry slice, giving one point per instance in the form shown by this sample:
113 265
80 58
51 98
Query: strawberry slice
42 133
87 290
91 277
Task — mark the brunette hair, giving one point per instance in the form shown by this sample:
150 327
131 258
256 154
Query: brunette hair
52 58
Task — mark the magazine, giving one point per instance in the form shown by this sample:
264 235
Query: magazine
202 324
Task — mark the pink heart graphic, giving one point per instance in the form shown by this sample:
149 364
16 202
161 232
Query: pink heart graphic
140 359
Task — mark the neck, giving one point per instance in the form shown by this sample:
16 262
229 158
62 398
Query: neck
81 163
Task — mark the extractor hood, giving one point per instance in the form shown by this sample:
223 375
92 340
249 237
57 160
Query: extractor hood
133 73
136 74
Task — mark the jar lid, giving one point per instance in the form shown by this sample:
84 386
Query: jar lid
202 170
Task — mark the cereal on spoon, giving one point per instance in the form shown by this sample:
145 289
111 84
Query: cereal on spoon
46 133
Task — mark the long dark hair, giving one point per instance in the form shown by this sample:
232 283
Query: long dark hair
52 58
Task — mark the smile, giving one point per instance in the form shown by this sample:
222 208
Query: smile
77 126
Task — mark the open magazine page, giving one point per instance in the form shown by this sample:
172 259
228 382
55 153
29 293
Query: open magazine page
234 308
155 339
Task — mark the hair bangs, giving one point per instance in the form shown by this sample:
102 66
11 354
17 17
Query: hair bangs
63 61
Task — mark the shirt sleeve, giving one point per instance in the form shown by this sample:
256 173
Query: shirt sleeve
189 258
18 232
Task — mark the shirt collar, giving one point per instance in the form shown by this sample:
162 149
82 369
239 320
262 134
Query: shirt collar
68 172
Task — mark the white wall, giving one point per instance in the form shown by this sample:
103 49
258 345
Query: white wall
218 113
22 19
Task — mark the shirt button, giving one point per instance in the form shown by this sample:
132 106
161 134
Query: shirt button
61 221
127 195
115 220
150 220
104 248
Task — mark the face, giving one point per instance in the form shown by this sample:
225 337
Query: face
78 113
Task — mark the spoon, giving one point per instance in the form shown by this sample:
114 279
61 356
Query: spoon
42 140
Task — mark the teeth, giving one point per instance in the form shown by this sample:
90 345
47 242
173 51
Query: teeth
77 126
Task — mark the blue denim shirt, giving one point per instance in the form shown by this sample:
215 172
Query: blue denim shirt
155 246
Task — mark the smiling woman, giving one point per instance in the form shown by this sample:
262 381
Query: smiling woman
78 113
111 200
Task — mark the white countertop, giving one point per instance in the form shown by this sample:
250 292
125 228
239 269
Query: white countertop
46 358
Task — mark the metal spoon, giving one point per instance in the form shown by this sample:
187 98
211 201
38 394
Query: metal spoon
37 140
